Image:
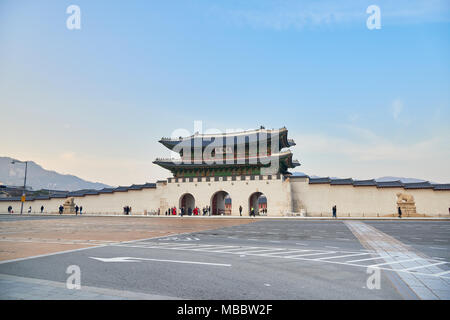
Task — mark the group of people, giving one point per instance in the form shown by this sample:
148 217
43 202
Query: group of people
195 211
127 210
61 209
252 212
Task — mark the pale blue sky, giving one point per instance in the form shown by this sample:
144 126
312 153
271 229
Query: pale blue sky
93 102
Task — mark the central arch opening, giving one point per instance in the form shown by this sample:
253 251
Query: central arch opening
187 201
221 203
258 202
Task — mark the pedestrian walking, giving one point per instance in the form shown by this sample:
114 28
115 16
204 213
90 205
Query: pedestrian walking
61 209
42 209
29 210
334 211
76 210
240 211
81 210
399 212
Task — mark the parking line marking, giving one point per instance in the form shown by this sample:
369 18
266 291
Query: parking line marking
310 254
394 262
425 266
344 256
259 251
380 257
284 252
442 273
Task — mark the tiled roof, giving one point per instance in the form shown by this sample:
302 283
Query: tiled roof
319 180
418 185
444 186
82 193
389 184
341 182
364 183
378 184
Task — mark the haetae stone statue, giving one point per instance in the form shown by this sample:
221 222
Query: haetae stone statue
69 206
406 203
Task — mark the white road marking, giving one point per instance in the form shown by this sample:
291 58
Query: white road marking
284 252
287 253
380 257
344 256
442 273
425 266
260 251
310 254
133 259
393 262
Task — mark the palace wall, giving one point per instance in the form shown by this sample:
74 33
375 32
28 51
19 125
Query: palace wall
284 196
354 201
277 190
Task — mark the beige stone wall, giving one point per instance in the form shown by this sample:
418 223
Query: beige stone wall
318 199
284 196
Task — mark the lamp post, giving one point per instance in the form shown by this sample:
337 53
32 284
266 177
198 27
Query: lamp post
24 182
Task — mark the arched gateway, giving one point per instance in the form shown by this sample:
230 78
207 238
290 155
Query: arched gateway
258 202
187 201
221 203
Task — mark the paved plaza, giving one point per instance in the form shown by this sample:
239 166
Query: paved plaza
216 258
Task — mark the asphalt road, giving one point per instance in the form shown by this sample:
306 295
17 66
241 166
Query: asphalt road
267 259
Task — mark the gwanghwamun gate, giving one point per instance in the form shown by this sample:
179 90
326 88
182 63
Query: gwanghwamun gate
249 169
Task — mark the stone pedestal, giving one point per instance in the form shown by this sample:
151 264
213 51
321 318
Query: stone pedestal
69 206
407 208
406 204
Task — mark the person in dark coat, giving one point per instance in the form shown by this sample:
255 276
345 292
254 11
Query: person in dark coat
61 209
399 212
76 210
182 211
81 210
189 211
42 209
240 211
334 211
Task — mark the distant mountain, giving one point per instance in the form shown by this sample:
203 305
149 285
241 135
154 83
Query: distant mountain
39 178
